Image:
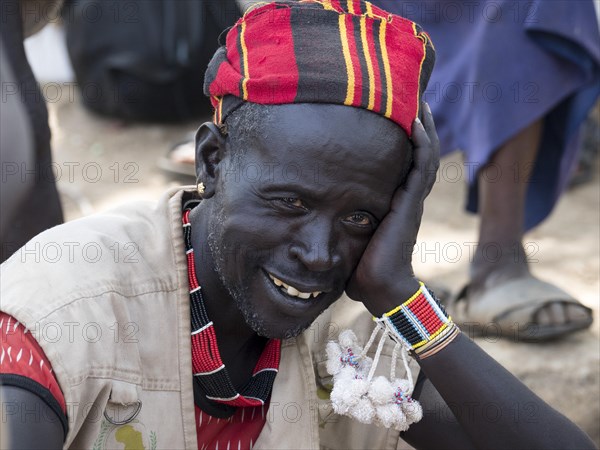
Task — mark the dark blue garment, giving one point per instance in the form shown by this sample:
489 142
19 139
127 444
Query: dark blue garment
501 65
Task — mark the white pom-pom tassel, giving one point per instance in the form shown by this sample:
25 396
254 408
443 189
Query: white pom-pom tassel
357 388
389 415
338 397
369 400
334 353
338 403
413 411
346 373
403 423
333 350
345 394
334 366
403 385
347 339
381 391
363 411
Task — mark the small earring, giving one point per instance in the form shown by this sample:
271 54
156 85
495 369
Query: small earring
201 188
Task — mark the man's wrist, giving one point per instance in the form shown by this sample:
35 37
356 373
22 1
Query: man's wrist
421 323
389 301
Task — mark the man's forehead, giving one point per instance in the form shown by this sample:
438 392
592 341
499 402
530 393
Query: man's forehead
320 147
337 127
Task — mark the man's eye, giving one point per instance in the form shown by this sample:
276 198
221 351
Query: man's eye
293 201
360 219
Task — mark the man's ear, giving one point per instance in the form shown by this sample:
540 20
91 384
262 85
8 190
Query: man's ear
210 150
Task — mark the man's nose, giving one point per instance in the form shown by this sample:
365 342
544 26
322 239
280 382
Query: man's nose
317 247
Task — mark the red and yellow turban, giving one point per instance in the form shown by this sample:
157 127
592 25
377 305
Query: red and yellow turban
322 51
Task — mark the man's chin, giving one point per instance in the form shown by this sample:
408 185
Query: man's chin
280 328
271 324
275 331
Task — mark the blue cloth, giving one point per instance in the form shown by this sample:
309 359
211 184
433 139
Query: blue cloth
501 65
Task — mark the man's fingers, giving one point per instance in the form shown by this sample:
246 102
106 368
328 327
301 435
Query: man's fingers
421 142
426 150
429 125
428 153
426 162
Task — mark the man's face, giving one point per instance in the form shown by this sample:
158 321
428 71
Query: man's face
293 217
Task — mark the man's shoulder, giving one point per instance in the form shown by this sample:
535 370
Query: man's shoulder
128 250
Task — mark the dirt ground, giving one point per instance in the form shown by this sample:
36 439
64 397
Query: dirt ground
103 162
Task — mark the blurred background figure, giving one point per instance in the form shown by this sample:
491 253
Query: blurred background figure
146 58
150 57
29 200
512 85
590 148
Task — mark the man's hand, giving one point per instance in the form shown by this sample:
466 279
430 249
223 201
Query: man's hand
384 276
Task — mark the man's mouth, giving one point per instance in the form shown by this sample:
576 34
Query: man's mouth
291 290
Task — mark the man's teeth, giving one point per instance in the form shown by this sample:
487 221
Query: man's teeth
291 290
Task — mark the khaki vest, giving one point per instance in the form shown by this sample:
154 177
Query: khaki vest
107 298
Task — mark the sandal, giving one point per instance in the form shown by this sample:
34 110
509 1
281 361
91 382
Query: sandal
511 310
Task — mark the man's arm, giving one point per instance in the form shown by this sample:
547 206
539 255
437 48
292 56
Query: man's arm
497 410
501 412
489 407
438 429
27 421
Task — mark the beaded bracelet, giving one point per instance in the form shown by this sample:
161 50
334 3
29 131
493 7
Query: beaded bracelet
420 324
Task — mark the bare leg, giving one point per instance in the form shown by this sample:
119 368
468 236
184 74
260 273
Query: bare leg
502 205
500 256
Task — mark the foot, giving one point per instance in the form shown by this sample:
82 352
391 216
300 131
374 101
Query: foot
492 269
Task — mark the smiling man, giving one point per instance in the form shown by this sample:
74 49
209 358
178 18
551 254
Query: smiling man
311 182
290 230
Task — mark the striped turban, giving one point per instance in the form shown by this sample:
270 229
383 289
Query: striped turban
322 51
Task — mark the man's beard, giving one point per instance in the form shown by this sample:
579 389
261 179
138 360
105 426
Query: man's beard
220 251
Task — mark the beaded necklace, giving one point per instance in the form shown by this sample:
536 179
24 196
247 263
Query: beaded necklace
211 380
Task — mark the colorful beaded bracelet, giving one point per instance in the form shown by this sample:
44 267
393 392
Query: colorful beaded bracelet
420 323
